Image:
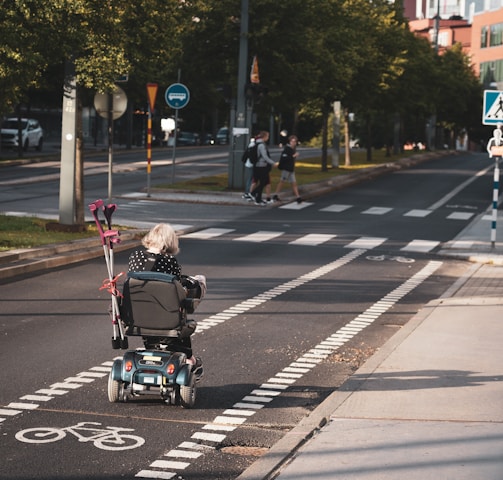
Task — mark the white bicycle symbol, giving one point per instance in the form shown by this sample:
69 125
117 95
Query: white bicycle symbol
109 438
380 258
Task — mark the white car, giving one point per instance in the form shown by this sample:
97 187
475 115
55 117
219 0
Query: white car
32 134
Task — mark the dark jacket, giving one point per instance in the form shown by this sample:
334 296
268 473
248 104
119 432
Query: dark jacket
287 160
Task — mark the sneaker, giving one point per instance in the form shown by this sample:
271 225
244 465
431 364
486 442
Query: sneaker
269 200
276 198
299 200
260 202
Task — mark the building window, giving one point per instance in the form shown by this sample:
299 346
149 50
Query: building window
483 37
491 72
496 35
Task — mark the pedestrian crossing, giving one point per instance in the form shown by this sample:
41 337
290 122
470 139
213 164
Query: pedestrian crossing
378 210
310 239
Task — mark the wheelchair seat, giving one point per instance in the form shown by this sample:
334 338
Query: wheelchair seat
154 304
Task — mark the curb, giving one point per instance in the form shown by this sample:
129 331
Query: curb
25 261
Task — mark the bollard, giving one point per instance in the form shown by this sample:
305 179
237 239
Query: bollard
495 200
495 149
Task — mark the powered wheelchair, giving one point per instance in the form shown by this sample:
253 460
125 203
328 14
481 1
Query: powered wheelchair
154 306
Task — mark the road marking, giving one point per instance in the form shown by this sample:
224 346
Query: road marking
377 211
275 386
336 208
417 213
208 233
423 246
366 242
321 352
458 189
312 239
260 236
296 206
460 216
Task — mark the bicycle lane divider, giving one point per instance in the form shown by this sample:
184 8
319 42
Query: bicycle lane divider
80 379
212 434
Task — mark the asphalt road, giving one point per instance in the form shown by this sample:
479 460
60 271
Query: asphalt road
298 297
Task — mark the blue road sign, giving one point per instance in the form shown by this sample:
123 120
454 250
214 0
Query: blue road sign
492 112
177 95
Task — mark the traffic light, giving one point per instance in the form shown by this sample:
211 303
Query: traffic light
255 92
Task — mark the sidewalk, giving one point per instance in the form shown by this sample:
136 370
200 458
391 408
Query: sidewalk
428 404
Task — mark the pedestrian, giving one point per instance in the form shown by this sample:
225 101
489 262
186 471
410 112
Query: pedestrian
287 168
248 171
160 245
262 168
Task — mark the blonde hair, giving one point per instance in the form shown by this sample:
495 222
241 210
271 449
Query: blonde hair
161 239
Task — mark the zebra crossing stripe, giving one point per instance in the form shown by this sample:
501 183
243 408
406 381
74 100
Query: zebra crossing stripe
377 211
336 208
260 236
417 213
313 239
209 233
366 242
423 246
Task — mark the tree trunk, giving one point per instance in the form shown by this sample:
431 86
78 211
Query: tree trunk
347 139
324 137
369 139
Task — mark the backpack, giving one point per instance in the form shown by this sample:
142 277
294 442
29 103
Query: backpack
251 153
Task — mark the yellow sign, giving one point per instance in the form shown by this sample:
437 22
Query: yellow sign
152 93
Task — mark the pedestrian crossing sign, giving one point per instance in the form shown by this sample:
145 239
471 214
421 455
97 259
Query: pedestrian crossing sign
492 112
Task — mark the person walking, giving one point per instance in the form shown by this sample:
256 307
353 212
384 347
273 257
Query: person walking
262 168
287 168
248 171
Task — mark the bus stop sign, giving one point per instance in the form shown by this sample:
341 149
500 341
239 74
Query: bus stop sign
177 96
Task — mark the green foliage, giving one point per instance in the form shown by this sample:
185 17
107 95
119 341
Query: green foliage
310 53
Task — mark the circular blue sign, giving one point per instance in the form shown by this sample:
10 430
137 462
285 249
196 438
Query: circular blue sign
177 96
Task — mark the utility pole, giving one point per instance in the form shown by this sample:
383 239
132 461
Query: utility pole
238 143
68 142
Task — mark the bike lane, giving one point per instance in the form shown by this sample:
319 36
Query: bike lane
125 439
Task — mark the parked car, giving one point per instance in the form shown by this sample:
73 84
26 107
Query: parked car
187 138
223 136
32 134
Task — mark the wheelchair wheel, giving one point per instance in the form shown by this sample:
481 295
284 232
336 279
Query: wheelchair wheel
114 387
188 393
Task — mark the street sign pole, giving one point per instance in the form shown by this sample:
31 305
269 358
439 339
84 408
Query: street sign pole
151 93
110 106
177 96
173 157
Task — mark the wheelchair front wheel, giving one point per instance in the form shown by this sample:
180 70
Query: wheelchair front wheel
114 387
